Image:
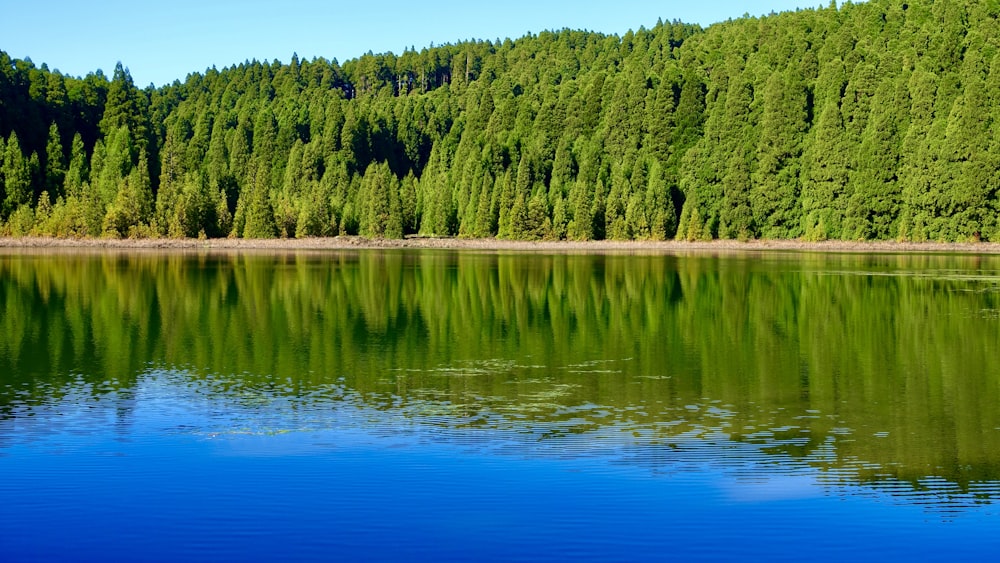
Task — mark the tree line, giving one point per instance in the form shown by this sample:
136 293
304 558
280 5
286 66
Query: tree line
863 121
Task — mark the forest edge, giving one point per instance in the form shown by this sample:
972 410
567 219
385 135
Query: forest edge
490 244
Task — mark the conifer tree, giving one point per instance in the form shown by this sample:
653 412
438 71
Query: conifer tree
617 204
964 159
505 204
775 180
258 219
659 205
485 221
118 160
659 141
78 171
408 203
825 182
170 186
55 162
581 201
16 178
383 217
132 204
918 166
560 217
873 206
735 161
126 107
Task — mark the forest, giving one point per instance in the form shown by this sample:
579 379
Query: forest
870 121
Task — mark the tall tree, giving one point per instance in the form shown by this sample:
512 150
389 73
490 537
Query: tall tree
55 162
775 181
15 178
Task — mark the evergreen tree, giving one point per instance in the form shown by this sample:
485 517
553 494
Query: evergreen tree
735 157
384 216
873 207
659 205
118 159
965 161
918 169
775 181
581 201
126 107
408 203
55 162
258 219
132 205
78 172
16 178
825 177
660 120
617 204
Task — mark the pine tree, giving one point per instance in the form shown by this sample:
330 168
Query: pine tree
660 118
581 202
119 158
132 205
873 206
240 149
598 216
659 205
408 203
539 223
825 178
383 217
3 156
617 204
735 154
126 107
775 181
439 206
505 203
258 219
485 222
78 171
918 169
288 200
519 227
965 161
560 217
165 219
315 215
55 162
16 178
195 213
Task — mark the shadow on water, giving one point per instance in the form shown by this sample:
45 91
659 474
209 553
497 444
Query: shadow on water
876 371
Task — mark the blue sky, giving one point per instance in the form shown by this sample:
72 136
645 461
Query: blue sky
162 41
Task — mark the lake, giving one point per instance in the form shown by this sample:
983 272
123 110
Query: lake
458 405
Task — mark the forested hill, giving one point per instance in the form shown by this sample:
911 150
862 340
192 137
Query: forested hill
868 121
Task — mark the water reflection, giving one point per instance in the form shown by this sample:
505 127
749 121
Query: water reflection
830 370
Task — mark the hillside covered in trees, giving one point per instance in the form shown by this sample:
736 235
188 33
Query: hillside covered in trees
867 121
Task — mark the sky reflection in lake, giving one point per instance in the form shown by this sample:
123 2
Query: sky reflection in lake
448 405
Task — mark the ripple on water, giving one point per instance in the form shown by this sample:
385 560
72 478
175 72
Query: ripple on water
548 422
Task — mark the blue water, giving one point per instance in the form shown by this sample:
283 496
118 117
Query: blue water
118 478
458 406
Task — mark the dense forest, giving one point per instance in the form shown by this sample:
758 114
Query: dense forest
864 121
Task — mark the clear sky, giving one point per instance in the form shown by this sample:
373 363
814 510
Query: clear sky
160 41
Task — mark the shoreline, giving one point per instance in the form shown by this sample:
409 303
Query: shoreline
362 243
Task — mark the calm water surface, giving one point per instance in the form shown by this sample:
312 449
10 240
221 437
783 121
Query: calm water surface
445 405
